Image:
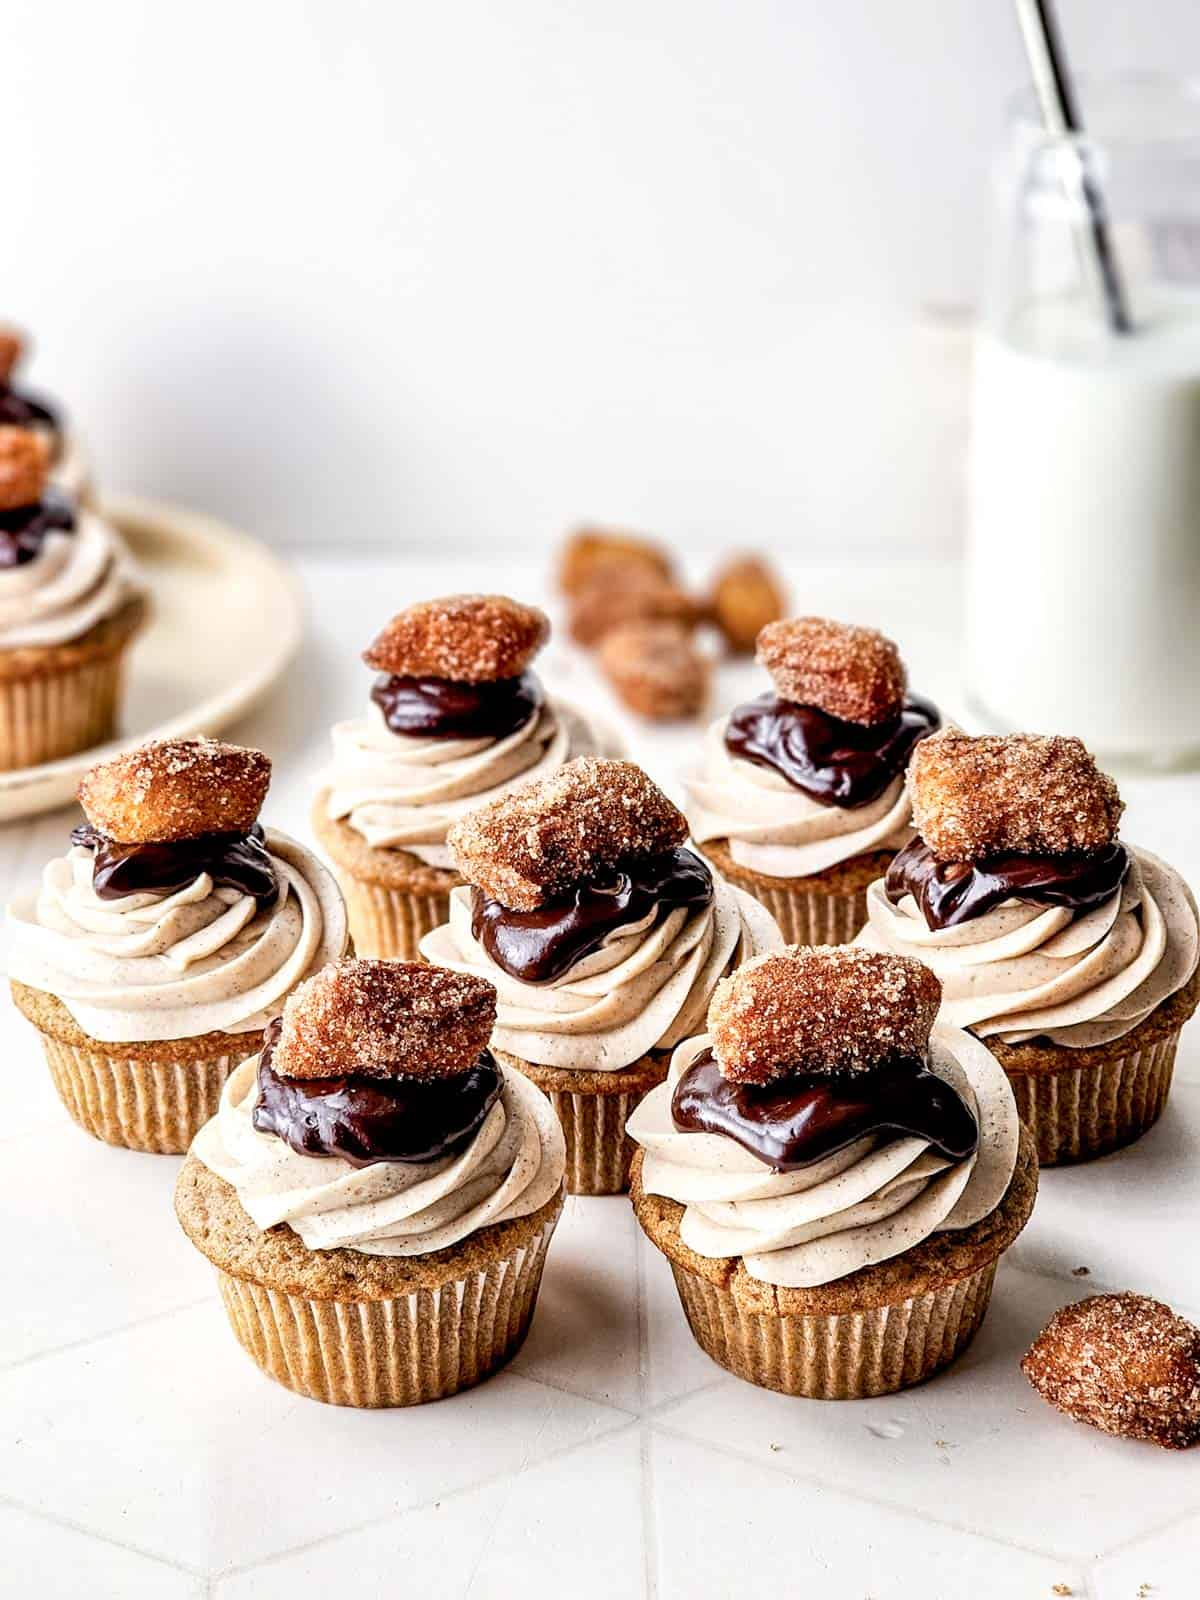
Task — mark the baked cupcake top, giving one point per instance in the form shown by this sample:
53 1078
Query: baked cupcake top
456 716
174 912
21 408
812 773
1018 891
62 570
602 932
822 1124
375 1116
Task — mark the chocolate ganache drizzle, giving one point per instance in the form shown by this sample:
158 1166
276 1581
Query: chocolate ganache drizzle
437 708
238 861
364 1119
23 529
839 763
539 946
952 892
19 409
797 1120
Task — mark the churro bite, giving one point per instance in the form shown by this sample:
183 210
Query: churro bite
592 553
656 669
628 595
746 595
852 673
823 1009
465 638
591 816
24 467
12 348
176 789
385 1019
1123 1363
1024 793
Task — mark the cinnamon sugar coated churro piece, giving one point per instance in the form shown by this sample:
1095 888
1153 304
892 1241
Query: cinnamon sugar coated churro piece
12 350
385 1019
1123 1363
656 669
593 552
1021 792
583 821
176 789
848 672
746 596
466 638
628 595
24 464
821 1008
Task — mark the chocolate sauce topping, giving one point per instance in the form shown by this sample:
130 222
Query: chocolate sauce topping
952 892
19 409
795 1121
839 763
233 860
374 1119
23 529
436 708
539 946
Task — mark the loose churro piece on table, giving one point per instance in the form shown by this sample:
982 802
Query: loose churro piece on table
628 595
590 553
746 596
656 669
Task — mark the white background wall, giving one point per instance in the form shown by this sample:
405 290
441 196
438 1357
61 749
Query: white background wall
445 271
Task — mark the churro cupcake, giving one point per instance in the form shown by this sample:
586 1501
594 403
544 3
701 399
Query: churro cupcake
604 937
801 799
157 949
456 718
1071 952
831 1182
69 606
70 470
376 1192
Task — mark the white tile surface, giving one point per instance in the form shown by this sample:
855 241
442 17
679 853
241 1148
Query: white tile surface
141 1453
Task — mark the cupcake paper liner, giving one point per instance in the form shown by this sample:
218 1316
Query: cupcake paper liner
807 918
392 1352
155 1104
390 923
54 713
1080 1112
851 1356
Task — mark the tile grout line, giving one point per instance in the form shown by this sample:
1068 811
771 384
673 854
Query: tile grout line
398 1515
573 1394
108 1333
57 1521
897 1507
1193 1513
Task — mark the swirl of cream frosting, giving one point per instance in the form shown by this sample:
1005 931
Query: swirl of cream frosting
511 1167
75 581
777 829
1079 978
401 791
867 1203
173 966
645 988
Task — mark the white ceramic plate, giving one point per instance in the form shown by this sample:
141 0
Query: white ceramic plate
227 618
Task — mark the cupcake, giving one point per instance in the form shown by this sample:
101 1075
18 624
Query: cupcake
801 799
456 718
155 952
604 937
1071 952
69 468
376 1192
831 1182
69 607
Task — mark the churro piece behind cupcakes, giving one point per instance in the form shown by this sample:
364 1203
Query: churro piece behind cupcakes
1029 794
590 553
848 672
628 595
12 350
384 1019
746 596
173 789
1123 1363
464 638
821 1008
656 669
583 821
24 467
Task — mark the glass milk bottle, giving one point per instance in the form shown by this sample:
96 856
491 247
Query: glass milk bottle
1083 554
